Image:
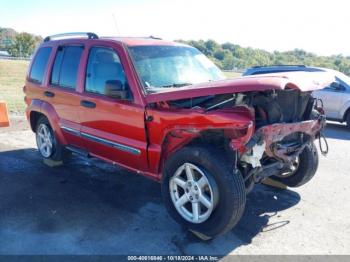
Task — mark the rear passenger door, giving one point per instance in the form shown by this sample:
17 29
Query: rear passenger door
62 90
112 124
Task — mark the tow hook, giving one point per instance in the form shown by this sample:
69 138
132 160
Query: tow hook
323 146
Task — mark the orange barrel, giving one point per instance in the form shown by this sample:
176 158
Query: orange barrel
4 118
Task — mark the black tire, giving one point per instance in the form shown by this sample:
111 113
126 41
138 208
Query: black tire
59 153
348 119
308 164
228 181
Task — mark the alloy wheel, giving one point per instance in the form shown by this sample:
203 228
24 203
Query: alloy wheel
45 140
193 194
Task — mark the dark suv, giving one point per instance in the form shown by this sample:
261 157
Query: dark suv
165 111
259 70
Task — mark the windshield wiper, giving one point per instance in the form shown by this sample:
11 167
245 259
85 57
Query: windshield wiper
178 85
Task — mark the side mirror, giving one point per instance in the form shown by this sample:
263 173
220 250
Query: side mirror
114 89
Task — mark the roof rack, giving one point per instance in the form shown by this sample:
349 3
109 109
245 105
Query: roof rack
278 65
88 34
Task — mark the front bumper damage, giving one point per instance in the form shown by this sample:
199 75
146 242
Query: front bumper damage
267 141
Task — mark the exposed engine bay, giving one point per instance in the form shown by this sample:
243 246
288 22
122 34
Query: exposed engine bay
273 106
286 121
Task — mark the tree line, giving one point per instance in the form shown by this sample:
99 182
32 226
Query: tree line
18 44
230 56
227 56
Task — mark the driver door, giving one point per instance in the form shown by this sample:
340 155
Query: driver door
113 126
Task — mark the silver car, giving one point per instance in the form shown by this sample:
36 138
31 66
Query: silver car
336 98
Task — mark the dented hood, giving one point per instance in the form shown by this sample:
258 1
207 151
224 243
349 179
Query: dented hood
304 81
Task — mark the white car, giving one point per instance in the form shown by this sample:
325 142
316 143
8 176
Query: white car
336 98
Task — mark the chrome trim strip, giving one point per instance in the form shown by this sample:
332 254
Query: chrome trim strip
71 130
128 149
106 142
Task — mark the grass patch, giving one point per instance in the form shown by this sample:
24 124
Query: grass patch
231 74
12 78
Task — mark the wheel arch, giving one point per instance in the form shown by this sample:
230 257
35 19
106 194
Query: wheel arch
179 138
39 109
34 117
347 112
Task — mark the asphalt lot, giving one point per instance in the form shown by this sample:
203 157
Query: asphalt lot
88 207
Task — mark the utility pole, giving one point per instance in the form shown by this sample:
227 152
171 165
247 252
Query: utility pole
116 24
20 50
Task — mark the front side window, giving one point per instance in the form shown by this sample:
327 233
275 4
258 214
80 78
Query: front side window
39 65
66 65
172 66
105 74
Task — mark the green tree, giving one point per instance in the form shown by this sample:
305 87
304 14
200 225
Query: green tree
23 45
227 62
219 54
211 46
228 56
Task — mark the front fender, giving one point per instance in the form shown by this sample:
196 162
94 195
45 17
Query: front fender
170 130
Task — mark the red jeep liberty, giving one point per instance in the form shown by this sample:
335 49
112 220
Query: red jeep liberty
165 111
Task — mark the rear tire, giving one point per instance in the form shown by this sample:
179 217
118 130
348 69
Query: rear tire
225 190
307 167
48 145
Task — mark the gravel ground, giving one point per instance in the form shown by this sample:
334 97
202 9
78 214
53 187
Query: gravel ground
88 207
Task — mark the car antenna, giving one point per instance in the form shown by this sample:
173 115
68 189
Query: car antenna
116 24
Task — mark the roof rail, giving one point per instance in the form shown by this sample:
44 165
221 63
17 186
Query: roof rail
145 37
278 65
154 37
88 34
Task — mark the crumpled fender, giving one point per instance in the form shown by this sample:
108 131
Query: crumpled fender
171 130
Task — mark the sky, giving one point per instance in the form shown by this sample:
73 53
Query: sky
321 27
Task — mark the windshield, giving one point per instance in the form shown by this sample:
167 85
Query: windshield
172 66
343 78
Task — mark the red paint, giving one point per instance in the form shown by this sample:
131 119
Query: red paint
156 133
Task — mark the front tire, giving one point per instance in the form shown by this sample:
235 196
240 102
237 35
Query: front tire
348 120
202 191
305 170
47 143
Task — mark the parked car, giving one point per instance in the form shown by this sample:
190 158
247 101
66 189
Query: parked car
259 70
335 97
165 111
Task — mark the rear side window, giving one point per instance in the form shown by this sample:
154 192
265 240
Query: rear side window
66 65
39 65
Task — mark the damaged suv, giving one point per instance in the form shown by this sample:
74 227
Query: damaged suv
165 111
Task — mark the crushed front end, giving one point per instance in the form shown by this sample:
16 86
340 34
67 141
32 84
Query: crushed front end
286 123
267 124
